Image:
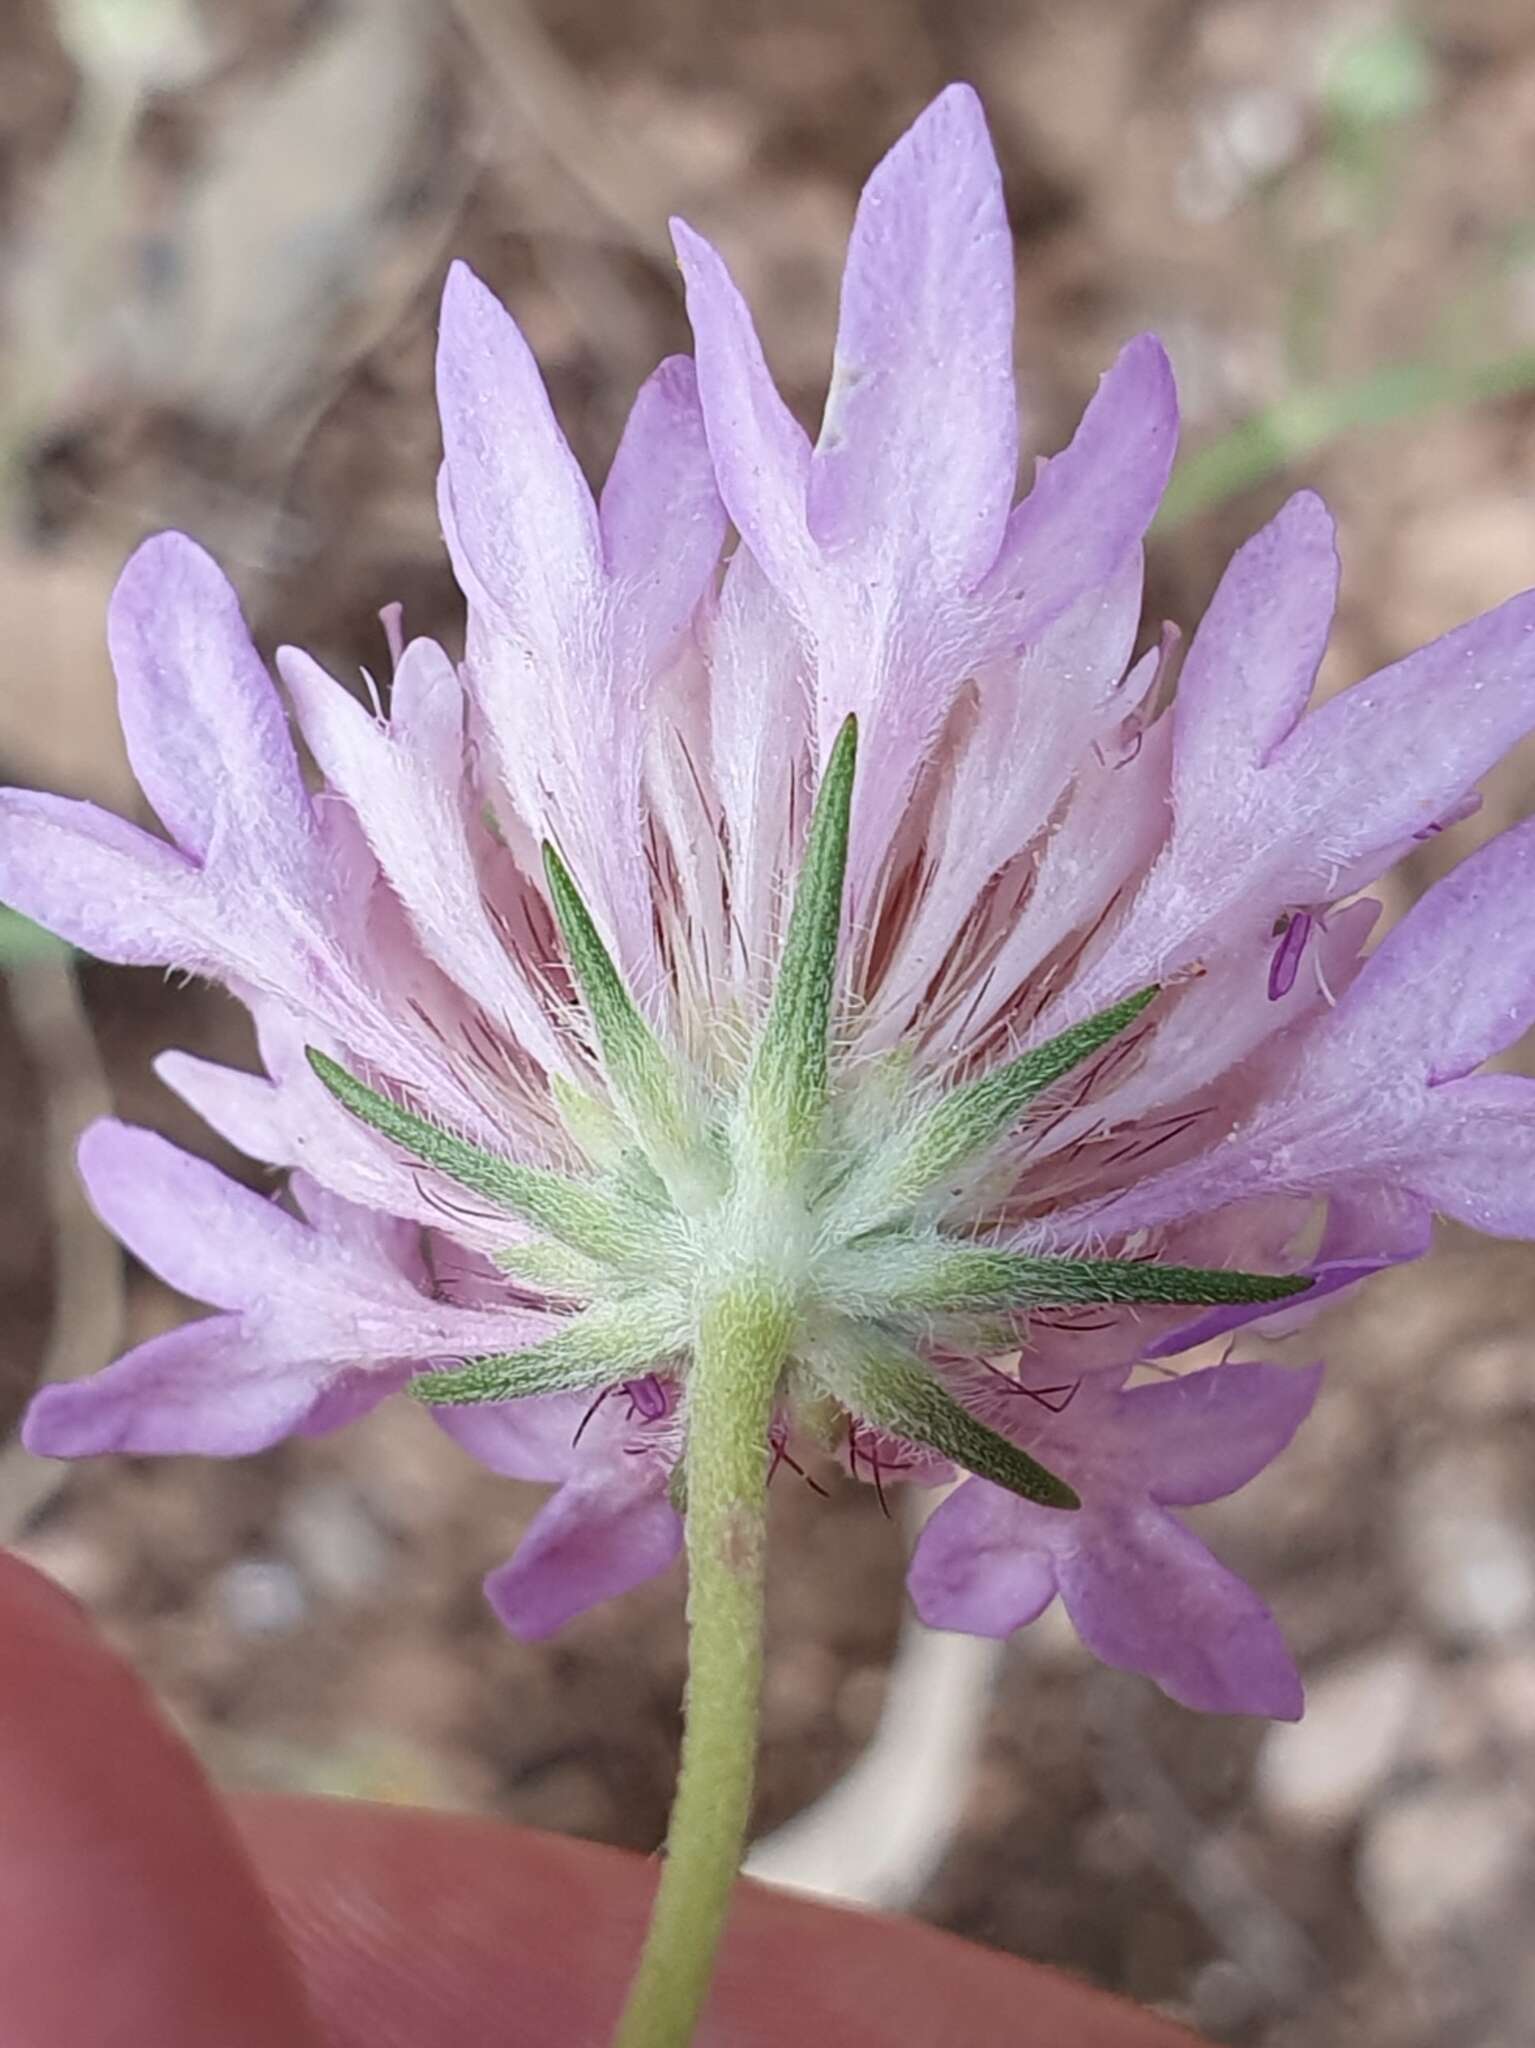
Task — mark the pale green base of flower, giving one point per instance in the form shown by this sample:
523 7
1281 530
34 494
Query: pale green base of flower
741 1343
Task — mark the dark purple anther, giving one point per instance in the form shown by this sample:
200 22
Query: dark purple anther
1128 743
648 1396
1466 808
1285 964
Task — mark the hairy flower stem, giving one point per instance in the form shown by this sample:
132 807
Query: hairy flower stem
742 1336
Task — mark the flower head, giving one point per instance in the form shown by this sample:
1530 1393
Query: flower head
841 916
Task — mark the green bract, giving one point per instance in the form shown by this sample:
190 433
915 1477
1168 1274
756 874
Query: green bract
649 1093
784 1102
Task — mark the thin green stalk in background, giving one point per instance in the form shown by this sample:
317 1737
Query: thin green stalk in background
1308 419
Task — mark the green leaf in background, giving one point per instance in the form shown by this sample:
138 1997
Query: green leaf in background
22 941
1306 420
1380 76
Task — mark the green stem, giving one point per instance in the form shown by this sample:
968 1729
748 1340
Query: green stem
731 1387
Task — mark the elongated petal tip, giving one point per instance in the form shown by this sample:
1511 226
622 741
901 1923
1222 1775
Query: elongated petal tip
705 273
715 306
94 1418
689 245
1302 541
660 513
170 585
1147 1595
98 1143
948 134
1304 515
1144 363
484 365
200 1389
924 336
582 1548
166 558
203 725
466 297
959 103
760 453
1142 382
54 1428
127 1169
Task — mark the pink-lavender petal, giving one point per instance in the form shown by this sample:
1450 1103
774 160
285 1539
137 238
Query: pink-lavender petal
760 452
1146 1595
588 1544
1201 1436
1094 501
204 728
925 336
660 515
979 1566
103 885
206 1387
